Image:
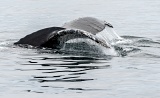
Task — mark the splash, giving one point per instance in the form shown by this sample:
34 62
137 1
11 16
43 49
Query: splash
109 36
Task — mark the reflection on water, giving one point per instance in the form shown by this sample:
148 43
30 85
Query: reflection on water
63 69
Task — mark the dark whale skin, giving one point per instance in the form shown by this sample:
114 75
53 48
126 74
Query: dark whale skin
40 38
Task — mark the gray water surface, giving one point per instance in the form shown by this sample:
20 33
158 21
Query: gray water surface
37 73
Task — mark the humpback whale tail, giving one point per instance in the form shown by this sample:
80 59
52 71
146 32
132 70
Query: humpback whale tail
90 28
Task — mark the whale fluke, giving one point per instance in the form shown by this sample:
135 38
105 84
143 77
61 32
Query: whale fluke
86 27
88 24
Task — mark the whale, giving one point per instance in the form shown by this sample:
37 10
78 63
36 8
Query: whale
99 31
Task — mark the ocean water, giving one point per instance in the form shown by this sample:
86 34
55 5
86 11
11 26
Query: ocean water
37 73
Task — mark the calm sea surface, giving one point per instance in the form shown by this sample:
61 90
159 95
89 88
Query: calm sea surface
39 73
